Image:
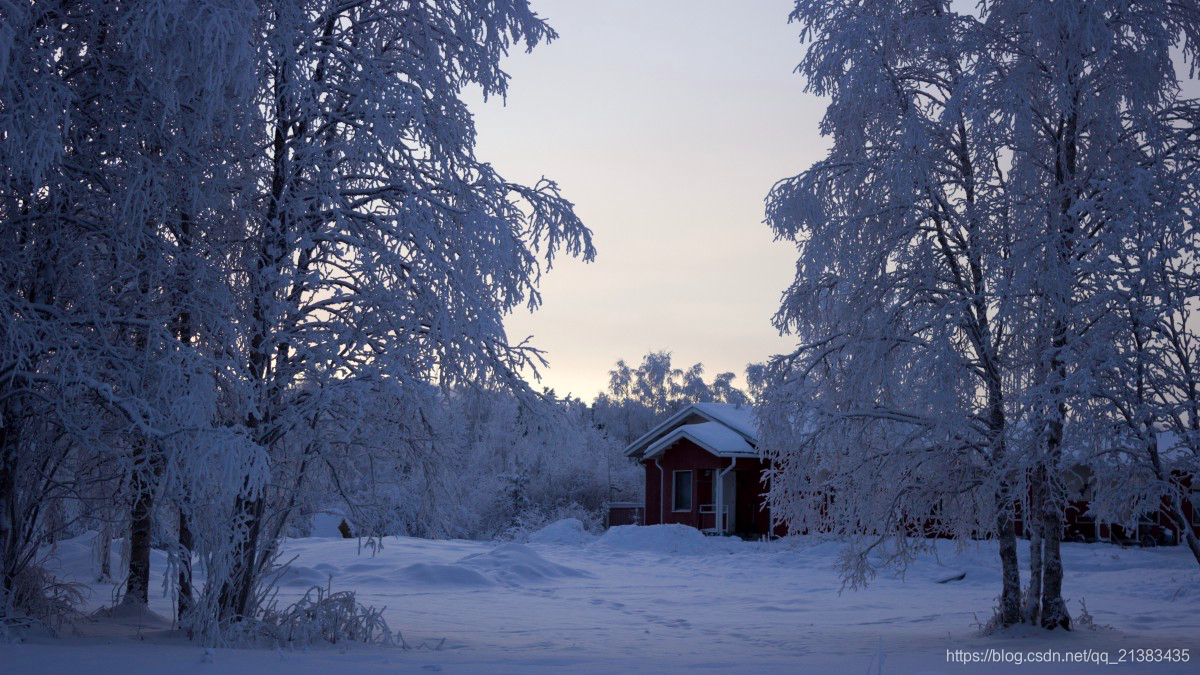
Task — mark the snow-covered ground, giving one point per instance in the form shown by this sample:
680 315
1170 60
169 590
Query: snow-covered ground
659 599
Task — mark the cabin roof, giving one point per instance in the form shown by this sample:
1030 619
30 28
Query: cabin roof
723 429
714 437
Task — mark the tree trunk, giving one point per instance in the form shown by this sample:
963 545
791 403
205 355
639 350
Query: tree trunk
1006 534
184 332
8 497
238 589
1176 513
137 588
272 250
1010 593
103 548
1054 609
141 524
1033 598
1189 536
184 600
1061 301
1183 525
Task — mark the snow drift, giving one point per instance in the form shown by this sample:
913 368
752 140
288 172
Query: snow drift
516 565
566 532
431 574
672 539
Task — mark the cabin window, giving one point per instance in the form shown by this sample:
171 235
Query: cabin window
683 491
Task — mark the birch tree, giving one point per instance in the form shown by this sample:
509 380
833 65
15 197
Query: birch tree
379 246
958 254
893 410
1085 91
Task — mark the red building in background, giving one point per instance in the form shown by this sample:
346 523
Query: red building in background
703 469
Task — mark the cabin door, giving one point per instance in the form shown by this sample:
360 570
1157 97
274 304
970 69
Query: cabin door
729 502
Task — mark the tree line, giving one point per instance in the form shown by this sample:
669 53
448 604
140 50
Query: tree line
235 232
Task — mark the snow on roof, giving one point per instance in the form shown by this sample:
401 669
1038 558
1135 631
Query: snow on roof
735 419
738 417
715 437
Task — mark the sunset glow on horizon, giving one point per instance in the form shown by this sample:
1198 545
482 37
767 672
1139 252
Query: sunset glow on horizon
667 143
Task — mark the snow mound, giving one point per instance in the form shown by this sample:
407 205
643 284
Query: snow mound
672 539
75 557
567 532
128 615
299 576
515 565
432 574
948 576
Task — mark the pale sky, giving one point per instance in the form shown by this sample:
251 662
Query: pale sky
666 122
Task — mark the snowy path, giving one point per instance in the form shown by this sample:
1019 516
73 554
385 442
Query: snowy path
669 603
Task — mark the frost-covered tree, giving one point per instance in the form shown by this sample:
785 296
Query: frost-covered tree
957 254
473 463
637 398
1143 405
1088 94
379 247
113 118
232 228
530 467
893 409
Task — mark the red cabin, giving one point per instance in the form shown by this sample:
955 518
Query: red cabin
703 469
1153 528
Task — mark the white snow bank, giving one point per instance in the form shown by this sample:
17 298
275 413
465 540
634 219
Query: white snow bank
299 576
508 565
132 614
514 564
432 574
566 532
782 610
672 539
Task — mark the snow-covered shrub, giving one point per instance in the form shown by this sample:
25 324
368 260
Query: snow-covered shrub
471 464
528 467
1086 621
37 598
324 615
531 521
